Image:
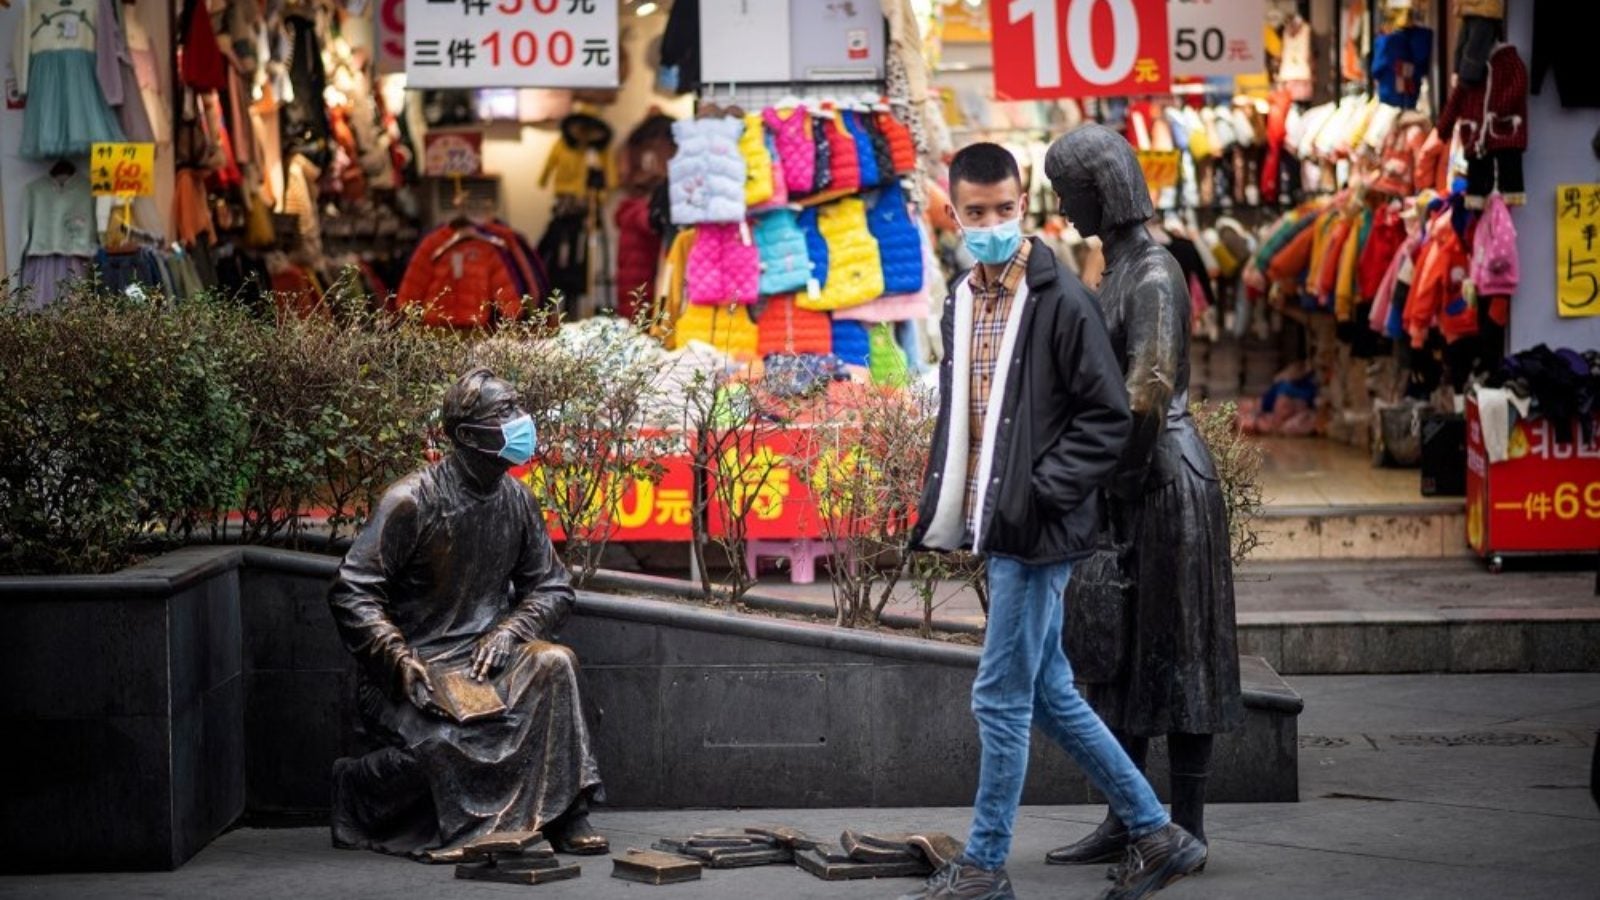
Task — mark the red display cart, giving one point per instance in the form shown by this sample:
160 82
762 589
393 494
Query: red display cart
1543 499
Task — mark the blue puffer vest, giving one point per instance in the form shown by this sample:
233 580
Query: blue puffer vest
899 247
816 246
868 160
785 265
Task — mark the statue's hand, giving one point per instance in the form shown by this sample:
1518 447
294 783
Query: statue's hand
493 650
417 685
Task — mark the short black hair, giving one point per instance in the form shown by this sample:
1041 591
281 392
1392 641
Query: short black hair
983 163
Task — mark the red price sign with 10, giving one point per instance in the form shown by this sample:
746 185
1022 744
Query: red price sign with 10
1080 48
511 43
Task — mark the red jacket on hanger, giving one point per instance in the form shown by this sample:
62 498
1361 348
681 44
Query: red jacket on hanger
460 280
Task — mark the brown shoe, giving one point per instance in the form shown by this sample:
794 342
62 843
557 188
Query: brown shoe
1155 861
1107 843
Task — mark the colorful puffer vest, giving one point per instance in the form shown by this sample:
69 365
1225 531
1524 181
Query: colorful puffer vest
728 329
722 267
786 328
780 188
797 150
902 150
822 166
899 247
866 157
785 267
885 359
854 273
881 154
851 343
707 176
757 161
844 164
816 246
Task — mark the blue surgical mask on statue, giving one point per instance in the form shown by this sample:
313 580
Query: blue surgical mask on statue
519 438
996 244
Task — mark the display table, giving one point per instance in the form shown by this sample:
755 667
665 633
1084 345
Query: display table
1544 498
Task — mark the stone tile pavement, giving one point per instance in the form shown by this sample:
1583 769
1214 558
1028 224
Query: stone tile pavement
1418 786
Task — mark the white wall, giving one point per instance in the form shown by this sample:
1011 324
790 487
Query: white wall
1558 153
16 173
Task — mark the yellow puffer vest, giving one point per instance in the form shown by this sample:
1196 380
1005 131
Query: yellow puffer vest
669 289
727 328
757 161
855 273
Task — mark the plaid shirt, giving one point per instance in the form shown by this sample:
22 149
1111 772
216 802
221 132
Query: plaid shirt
991 306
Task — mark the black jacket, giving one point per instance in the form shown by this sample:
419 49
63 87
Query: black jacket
1063 421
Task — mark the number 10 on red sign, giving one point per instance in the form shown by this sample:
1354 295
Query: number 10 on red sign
1080 48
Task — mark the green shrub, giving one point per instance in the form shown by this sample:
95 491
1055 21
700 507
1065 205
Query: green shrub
117 421
1239 468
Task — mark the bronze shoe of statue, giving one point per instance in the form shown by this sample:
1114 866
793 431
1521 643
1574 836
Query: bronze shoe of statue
578 838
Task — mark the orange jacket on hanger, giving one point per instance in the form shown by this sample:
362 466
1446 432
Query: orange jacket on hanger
460 280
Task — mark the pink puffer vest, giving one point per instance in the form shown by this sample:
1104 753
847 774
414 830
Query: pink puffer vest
722 267
797 150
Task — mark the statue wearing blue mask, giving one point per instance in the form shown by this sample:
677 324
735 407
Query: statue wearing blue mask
448 599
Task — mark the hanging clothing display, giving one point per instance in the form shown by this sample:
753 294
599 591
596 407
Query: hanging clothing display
55 64
61 236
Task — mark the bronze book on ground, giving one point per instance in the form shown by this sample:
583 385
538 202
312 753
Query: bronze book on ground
463 698
650 867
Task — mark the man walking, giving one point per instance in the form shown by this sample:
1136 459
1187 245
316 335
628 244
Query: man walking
1033 416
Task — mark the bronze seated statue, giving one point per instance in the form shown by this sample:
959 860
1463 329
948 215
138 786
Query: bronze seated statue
448 600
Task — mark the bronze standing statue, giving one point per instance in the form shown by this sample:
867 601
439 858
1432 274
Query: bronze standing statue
448 600
1180 664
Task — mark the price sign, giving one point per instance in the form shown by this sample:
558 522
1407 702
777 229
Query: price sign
1217 37
391 37
1080 48
1160 168
1544 497
452 153
511 43
122 170
1578 250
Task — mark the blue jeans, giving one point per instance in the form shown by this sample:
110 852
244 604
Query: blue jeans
1024 679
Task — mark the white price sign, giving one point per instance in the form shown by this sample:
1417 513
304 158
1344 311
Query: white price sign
511 43
1217 37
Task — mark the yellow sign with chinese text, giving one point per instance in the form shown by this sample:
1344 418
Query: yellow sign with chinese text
122 170
1578 250
1160 168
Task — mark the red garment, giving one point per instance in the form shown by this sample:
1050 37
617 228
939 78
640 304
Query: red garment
638 250
1492 115
1384 240
1401 153
295 292
460 280
843 165
200 63
786 328
1436 293
901 148
1277 133
525 267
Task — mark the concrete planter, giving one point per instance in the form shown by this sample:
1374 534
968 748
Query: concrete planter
154 707
123 711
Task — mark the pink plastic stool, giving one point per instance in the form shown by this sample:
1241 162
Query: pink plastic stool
801 553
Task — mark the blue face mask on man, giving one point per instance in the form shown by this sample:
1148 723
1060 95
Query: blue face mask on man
518 439
996 244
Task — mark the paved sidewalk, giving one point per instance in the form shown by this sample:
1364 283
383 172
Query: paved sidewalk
1267 591
1418 787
